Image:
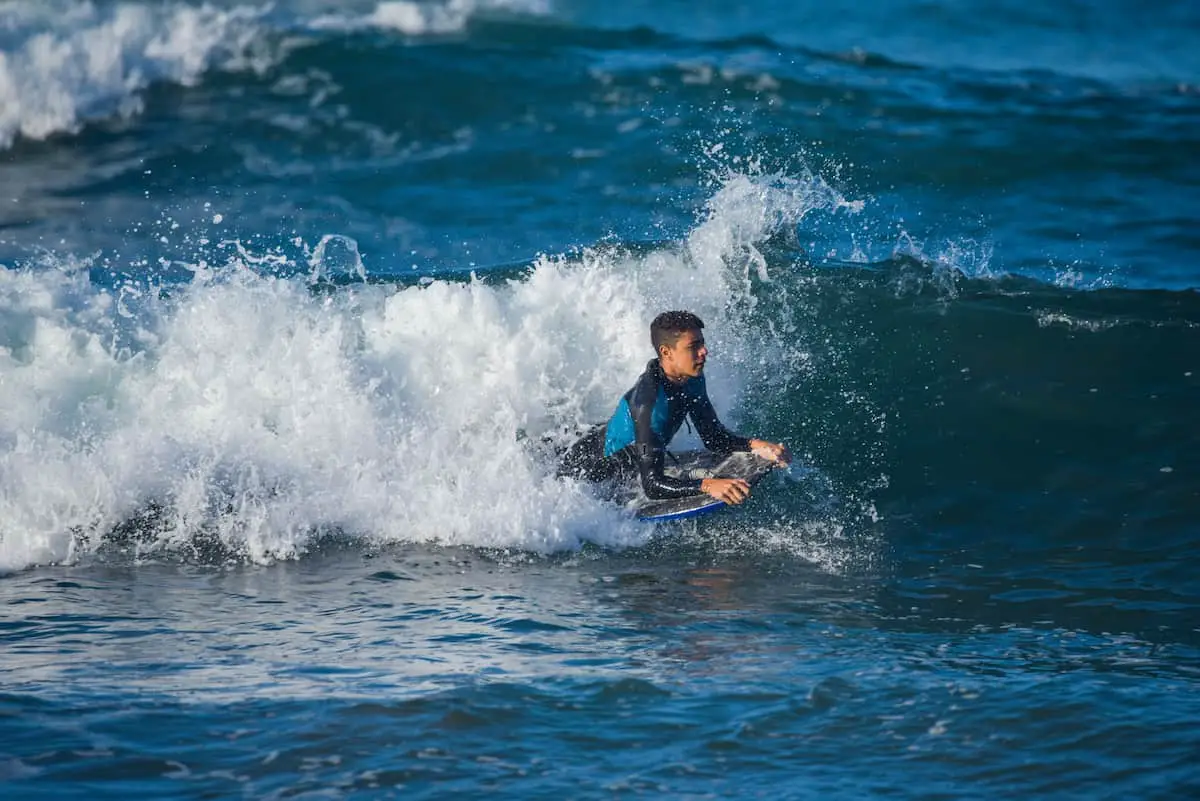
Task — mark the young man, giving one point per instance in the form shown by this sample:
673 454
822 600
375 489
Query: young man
647 416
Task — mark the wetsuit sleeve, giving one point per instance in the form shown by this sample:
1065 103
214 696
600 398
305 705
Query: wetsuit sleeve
650 451
715 436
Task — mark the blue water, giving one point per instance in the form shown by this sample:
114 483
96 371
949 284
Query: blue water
290 295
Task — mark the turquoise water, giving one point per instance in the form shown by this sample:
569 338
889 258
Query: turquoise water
288 290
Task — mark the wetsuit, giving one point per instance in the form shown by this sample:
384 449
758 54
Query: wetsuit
636 436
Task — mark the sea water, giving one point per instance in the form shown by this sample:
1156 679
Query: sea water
297 299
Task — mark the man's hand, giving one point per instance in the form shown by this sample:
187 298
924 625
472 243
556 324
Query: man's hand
730 490
771 451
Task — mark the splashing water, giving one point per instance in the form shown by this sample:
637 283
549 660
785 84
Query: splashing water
251 411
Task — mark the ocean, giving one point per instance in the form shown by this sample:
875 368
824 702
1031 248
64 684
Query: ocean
294 296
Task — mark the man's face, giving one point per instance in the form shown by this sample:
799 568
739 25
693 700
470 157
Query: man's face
686 358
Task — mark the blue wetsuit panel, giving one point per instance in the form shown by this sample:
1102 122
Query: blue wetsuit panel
649 415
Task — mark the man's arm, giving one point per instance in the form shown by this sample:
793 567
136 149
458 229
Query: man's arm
717 437
650 451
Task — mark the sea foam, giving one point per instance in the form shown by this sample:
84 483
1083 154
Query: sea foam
439 17
64 63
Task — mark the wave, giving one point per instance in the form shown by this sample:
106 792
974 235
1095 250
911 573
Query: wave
67 62
253 404
70 62
998 409
259 411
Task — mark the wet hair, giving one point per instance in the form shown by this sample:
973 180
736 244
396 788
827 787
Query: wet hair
669 326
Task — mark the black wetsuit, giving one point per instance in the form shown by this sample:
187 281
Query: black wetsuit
635 438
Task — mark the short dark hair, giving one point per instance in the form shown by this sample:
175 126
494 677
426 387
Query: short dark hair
669 326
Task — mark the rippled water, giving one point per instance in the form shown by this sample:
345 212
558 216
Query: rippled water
289 292
683 668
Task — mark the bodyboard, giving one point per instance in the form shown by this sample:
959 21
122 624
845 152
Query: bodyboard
696 464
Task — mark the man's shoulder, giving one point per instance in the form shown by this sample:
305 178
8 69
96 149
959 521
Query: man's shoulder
645 388
652 375
696 387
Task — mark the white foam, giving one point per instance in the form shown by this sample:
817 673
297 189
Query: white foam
261 412
417 18
63 63
427 18
948 261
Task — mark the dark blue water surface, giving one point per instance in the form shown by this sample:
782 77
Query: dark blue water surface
291 295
